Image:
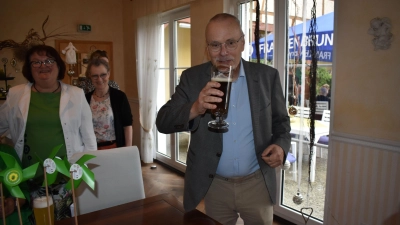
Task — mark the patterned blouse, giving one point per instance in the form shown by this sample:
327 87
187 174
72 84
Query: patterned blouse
103 119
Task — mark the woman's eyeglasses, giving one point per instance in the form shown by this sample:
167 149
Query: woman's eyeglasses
96 77
47 62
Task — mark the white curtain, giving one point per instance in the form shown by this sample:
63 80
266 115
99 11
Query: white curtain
147 54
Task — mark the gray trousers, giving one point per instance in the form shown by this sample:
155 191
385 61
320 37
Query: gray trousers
246 196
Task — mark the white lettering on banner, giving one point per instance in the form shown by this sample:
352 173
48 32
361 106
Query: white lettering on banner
270 47
329 39
262 49
325 55
321 55
324 40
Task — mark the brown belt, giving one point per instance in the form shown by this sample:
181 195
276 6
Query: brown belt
105 143
239 179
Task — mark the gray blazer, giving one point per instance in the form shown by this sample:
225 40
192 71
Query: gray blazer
271 125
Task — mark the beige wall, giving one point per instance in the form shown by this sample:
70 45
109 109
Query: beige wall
64 16
201 12
364 150
366 80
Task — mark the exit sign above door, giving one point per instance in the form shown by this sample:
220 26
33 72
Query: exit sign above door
84 28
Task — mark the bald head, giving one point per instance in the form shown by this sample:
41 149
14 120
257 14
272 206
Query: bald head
224 18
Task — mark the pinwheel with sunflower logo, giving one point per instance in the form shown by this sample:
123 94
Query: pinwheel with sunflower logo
13 174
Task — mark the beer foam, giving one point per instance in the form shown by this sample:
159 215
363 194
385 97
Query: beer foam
41 202
221 79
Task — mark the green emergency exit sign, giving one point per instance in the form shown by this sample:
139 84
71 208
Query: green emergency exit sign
84 28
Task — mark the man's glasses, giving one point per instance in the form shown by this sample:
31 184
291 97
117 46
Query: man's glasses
47 62
229 45
96 77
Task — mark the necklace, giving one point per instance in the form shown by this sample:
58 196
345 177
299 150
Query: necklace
103 95
34 86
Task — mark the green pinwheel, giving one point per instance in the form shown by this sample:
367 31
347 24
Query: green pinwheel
80 172
13 174
53 165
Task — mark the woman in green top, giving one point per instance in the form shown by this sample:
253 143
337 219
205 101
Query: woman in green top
44 113
10 206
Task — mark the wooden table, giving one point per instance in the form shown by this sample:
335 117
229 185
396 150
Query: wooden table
161 209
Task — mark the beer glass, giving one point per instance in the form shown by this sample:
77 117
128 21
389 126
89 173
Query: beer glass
40 210
222 75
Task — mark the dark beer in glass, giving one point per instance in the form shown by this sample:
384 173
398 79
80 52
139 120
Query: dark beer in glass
222 76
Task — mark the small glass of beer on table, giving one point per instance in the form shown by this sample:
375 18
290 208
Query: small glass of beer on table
222 75
41 212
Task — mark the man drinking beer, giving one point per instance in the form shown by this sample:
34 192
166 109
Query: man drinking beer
232 171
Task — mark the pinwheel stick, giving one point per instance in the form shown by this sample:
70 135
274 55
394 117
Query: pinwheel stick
73 197
2 204
19 211
47 194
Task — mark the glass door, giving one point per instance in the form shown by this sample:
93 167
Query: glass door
283 46
175 49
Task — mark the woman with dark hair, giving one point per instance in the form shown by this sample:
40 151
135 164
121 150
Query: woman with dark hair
45 113
52 57
112 117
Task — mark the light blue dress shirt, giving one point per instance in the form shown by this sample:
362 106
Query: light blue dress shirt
238 156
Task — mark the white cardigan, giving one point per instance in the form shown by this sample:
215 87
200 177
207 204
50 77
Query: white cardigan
75 115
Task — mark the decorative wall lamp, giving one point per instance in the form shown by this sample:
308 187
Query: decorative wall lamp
380 29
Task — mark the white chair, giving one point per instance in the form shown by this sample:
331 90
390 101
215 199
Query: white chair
118 179
326 116
320 106
323 141
306 114
305 110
